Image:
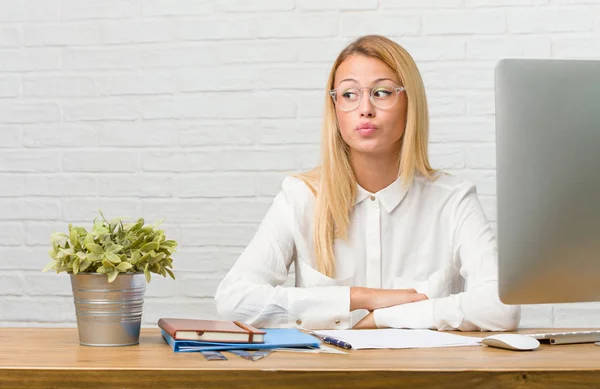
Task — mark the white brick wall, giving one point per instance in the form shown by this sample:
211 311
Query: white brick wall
114 104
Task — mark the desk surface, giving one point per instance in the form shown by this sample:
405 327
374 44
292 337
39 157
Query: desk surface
31 358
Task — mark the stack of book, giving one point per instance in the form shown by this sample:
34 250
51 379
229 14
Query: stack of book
189 335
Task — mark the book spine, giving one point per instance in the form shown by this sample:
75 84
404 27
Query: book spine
163 324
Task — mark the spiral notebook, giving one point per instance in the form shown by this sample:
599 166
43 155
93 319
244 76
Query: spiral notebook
274 338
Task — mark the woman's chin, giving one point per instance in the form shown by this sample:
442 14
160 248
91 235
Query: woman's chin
369 146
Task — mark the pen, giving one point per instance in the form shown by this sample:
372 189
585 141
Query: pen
335 342
330 340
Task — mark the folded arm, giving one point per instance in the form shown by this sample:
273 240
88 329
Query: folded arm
252 289
479 307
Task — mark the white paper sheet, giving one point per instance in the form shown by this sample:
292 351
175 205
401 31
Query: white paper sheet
399 338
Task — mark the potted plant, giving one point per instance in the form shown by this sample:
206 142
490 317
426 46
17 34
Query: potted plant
109 267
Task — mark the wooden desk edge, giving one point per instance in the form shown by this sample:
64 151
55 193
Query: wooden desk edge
237 378
212 375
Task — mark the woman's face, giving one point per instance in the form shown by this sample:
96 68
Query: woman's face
368 128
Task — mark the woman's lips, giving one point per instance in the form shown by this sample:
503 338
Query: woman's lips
366 129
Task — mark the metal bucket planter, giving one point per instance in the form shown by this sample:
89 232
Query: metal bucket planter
108 314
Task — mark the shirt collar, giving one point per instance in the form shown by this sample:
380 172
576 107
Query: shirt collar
389 197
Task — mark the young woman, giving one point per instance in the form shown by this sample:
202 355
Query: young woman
376 236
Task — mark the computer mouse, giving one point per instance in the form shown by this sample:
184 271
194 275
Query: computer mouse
511 342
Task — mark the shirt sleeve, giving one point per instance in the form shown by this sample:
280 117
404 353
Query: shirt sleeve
252 290
479 307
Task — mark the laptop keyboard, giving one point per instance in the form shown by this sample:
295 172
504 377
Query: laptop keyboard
563 337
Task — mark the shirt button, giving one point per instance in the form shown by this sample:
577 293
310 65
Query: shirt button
372 198
337 321
298 321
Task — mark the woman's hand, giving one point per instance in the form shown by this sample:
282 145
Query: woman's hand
371 298
367 322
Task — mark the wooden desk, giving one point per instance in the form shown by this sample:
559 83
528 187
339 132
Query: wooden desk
53 358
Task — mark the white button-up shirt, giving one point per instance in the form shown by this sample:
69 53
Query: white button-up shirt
434 238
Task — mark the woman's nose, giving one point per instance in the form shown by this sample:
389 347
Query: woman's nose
365 107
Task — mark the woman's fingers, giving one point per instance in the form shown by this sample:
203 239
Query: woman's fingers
417 297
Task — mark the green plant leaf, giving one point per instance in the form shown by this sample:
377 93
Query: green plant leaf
145 257
102 215
138 241
115 248
68 251
81 231
159 237
76 265
73 237
49 266
99 230
59 236
52 254
114 258
135 257
158 257
137 226
84 264
89 238
168 243
124 266
94 248
94 257
147 273
149 247
112 276
147 230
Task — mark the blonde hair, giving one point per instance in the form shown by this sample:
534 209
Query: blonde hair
333 182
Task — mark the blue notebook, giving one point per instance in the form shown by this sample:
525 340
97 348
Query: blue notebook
274 338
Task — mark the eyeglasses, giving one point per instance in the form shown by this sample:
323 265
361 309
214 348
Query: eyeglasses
381 96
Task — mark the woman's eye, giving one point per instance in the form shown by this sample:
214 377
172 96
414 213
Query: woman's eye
382 93
350 95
